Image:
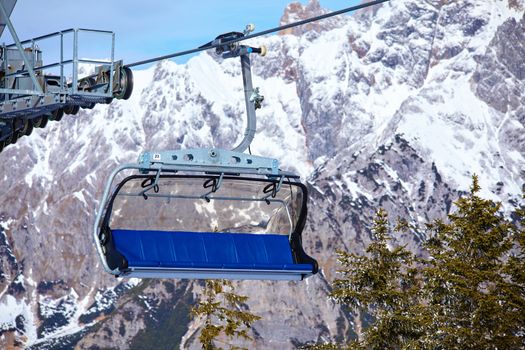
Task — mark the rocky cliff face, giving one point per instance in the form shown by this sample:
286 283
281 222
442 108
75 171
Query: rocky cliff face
394 107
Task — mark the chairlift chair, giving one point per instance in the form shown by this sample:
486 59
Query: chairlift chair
206 213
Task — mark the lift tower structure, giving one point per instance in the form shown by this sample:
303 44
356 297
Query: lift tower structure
33 91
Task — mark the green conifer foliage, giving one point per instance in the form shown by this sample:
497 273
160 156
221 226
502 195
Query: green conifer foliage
383 283
471 297
515 268
223 313
467 291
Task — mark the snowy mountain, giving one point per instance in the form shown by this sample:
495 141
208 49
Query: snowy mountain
393 107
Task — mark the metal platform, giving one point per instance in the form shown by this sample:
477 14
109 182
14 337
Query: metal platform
33 91
21 95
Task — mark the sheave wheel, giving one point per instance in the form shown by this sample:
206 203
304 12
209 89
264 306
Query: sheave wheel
126 84
57 114
27 128
71 109
13 138
40 122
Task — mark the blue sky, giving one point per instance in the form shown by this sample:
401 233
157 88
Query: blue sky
146 29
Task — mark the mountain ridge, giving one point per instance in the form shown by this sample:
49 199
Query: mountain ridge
393 108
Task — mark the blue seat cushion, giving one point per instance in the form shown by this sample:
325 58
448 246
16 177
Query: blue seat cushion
206 250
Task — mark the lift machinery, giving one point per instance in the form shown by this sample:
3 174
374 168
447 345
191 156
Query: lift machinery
32 93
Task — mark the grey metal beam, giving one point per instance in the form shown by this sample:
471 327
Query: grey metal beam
251 123
8 5
4 15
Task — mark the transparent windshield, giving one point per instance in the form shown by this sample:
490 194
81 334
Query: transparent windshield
179 204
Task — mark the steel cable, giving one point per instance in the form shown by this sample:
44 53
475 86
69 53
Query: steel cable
255 35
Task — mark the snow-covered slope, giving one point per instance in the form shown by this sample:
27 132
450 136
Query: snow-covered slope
395 107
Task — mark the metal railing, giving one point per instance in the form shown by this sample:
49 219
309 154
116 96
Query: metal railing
67 86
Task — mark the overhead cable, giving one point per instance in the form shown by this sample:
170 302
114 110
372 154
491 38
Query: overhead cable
264 32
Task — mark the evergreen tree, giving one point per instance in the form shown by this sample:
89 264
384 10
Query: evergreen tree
470 296
515 268
383 283
467 293
223 313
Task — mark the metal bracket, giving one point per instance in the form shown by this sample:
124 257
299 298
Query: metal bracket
208 160
251 123
153 185
256 98
273 190
249 28
252 98
215 185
